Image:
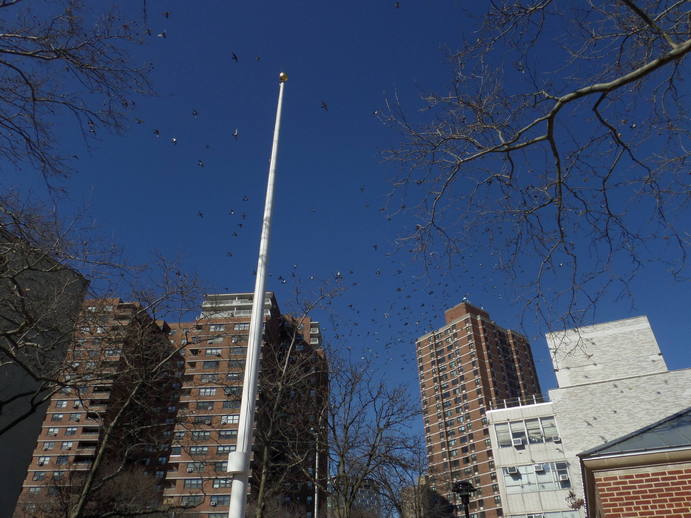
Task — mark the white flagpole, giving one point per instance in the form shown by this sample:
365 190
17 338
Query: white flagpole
239 460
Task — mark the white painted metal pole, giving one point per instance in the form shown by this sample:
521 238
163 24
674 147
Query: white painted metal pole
239 460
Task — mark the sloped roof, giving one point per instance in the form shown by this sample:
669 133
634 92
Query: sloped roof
671 432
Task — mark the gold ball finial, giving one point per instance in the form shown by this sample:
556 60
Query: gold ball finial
283 77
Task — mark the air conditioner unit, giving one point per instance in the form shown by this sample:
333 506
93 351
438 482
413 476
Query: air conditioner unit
212 504
538 515
556 438
189 469
512 470
41 463
563 477
539 468
517 442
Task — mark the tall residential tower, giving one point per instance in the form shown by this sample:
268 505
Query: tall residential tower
465 367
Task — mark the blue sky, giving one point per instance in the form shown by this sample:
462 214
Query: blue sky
332 213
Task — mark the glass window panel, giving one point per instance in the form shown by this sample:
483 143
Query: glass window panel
503 435
534 431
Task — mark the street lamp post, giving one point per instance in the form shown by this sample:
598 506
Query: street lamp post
239 460
464 489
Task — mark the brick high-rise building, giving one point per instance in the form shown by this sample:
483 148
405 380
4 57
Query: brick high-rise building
158 407
287 420
464 367
111 425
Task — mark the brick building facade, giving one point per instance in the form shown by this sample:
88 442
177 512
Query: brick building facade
111 424
645 474
465 367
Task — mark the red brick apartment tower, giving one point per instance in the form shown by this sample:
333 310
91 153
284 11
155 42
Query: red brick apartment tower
215 347
466 366
113 418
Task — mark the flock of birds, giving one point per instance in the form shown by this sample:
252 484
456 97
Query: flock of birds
409 301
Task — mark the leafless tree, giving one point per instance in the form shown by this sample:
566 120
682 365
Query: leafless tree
61 59
368 433
561 146
405 487
51 344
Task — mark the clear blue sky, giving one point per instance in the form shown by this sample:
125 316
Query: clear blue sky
146 193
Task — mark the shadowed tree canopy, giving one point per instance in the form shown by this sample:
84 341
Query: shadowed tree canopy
560 148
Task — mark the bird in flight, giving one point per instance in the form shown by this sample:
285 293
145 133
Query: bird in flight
325 106
200 214
236 133
235 57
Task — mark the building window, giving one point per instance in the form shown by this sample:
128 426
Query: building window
66 445
241 326
43 461
53 431
200 436
220 500
241 351
233 391
547 476
222 482
217 327
230 419
236 364
57 417
195 467
215 340
205 405
71 430
227 434
39 475
193 483
199 450
61 404
75 417
225 449
61 460
207 392
213 352
48 445
210 364
221 467
192 500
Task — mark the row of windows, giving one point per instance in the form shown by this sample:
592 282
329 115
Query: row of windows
533 431
200 435
215 378
202 450
197 467
548 476
553 514
59 460
197 483
215 364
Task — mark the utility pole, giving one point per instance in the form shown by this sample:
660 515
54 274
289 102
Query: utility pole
239 460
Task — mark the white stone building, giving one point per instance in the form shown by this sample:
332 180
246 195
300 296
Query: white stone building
612 380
